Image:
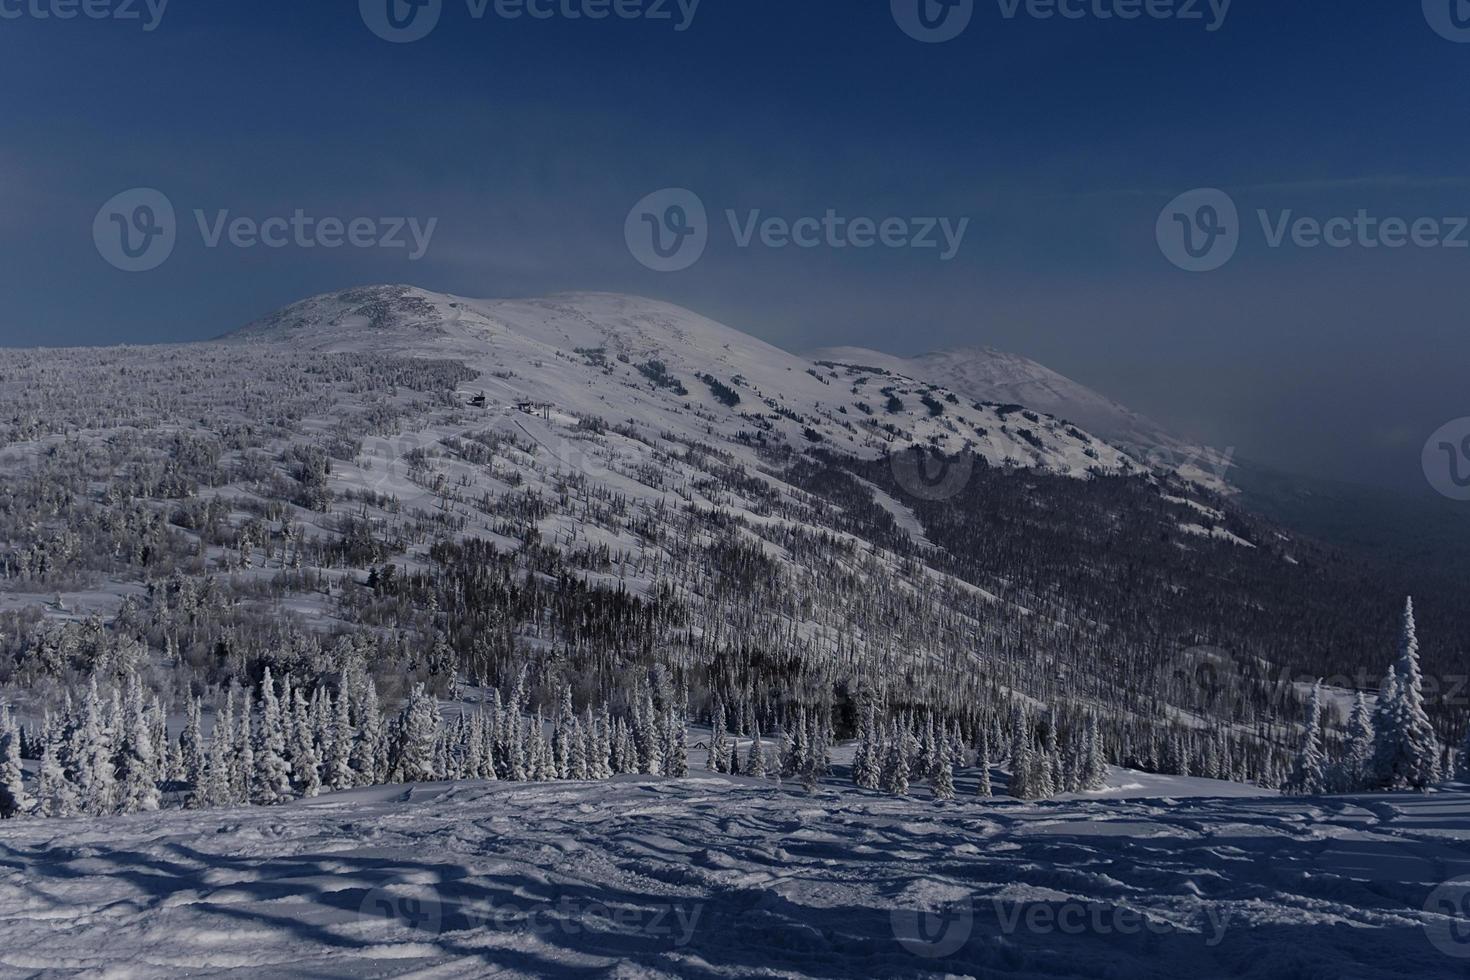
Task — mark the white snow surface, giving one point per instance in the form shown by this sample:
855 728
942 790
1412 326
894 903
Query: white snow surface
713 877
988 374
542 351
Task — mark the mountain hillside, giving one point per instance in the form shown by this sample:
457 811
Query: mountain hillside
663 368
574 490
986 374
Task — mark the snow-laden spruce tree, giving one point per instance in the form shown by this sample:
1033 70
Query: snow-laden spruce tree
369 747
943 777
137 769
755 760
545 771
305 767
213 789
1049 760
923 761
340 740
191 744
895 778
91 755
791 746
56 796
603 745
1355 771
14 800
578 743
676 744
242 778
1094 775
420 726
1309 772
715 762
1406 753
1022 761
270 781
561 735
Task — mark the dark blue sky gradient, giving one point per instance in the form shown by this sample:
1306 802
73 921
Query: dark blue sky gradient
1061 141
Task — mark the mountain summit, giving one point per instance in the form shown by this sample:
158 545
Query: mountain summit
665 369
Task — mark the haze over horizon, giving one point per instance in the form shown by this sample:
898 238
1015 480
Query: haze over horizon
530 140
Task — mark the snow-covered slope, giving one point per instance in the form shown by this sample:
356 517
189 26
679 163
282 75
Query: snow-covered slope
599 354
721 877
986 374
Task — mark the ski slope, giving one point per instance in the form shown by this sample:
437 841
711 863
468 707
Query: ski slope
727 877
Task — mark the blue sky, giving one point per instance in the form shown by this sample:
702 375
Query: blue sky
1061 141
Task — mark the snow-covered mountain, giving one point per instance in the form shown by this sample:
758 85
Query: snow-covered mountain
428 488
662 368
987 374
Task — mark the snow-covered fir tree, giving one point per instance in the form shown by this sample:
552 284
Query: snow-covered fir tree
983 788
420 728
895 778
1309 772
1406 753
755 760
134 762
270 781
943 777
15 801
717 759
1355 771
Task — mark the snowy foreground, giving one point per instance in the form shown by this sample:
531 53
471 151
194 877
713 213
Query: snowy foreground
721 877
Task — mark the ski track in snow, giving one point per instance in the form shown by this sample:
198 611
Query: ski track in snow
727 877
